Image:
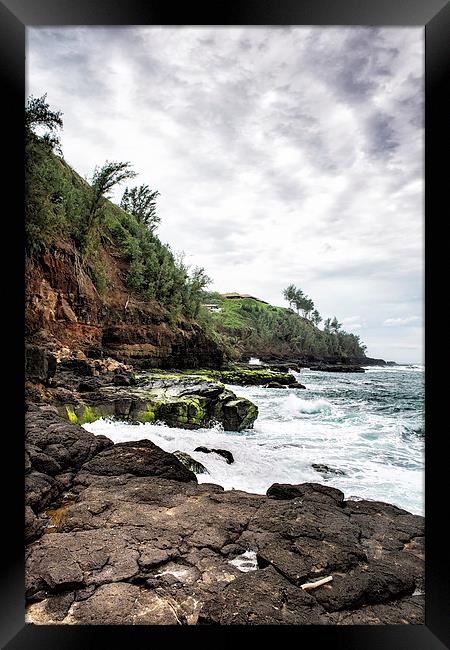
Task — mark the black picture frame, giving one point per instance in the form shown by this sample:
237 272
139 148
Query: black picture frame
15 16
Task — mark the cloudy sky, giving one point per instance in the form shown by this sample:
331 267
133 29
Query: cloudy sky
282 155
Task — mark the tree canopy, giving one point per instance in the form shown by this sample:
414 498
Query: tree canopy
141 202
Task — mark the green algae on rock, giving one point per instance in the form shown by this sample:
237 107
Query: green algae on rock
175 400
248 377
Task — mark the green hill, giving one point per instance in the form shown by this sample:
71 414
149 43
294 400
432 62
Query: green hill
256 328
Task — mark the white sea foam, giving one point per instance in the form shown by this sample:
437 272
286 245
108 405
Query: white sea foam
294 405
360 428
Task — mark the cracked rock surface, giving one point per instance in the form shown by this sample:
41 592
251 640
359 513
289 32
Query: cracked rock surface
154 547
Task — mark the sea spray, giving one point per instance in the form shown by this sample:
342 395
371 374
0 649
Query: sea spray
370 426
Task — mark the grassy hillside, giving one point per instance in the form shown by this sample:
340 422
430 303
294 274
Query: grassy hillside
256 328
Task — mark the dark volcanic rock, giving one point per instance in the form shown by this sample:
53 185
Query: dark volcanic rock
40 490
336 368
383 582
177 539
309 491
41 461
53 449
81 367
33 525
60 444
40 365
123 380
189 462
90 385
141 458
138 540
325 470
262 598
221 452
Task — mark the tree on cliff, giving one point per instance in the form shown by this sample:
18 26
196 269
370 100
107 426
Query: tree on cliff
335 325
38 115
197 282
316 318
141 203
290 294
103 180
300 301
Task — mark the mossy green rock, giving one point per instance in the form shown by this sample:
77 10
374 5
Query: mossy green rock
247 376
175 400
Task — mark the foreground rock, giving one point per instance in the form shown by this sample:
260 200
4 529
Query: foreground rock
141 458
135 540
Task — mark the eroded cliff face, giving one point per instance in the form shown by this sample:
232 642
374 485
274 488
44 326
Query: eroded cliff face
64 309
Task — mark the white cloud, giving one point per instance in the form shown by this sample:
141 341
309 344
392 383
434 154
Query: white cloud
281 155
400 322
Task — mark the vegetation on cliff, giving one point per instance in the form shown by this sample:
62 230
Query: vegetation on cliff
62 205
256 328
59 203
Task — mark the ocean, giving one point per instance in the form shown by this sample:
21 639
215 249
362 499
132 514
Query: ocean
368 427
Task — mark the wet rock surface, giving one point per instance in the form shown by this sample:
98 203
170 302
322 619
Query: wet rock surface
189 462
336 368
220 452
134 547
251 375
177 400
327 471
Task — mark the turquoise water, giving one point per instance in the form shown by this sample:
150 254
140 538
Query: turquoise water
369 425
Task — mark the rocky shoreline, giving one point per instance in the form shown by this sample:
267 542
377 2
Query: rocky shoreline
124 534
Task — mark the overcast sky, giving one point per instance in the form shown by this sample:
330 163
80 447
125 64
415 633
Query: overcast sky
282 155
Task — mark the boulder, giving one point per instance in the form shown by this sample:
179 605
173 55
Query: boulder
141 458
89 385
33 525
306 491
79 367
54 445
121 379
40 490
297 385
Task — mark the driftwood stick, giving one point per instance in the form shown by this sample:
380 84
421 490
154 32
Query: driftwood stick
317 583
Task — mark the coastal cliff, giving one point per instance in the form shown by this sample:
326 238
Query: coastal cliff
63 309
